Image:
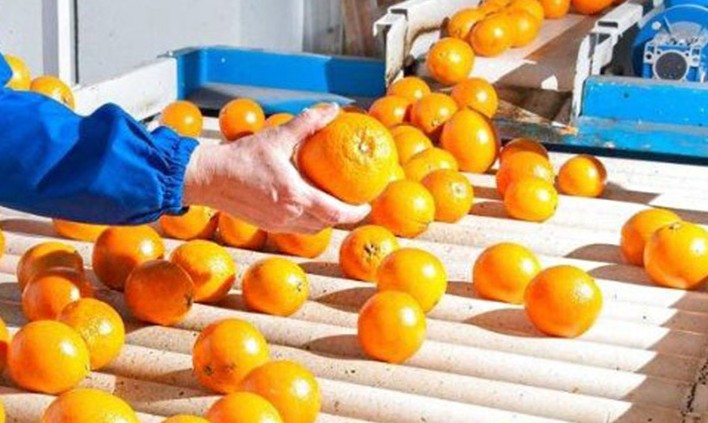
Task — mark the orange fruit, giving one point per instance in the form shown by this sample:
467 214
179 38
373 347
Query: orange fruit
430 113
563 301
639 228
390 110
676 256
397 174
275 286
591 7
277 120
54 88
225 352
240 118
452 192
20 79
526 27
461 23
302 245
531 199
47 356
450 60
522 144
199 222
429 160
183 418
411 88
415 272
555 9
238 233
184 118
351 158
363 250
210 267
493 35
243 407
100 326
583 175
45 256
489 8
159 292
78 231
89 405
2 235
534 7
477 94
409 142
4 340
391 326
503 271
406 208
2 413
523 164
472 140
354 109
46 295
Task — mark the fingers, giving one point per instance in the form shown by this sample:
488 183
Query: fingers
331 211
310 121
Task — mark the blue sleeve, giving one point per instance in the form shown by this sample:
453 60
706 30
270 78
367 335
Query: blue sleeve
5 71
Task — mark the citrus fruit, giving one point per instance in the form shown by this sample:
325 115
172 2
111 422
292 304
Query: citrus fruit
591 7
411 88
2 413
583 176
238 233
461 23
184 118
555 9
531 199
415 272
397 174
523 164
184 418
452 192
390 110
199 222
534 7
472 140
4 340
53 88
363 250
450 60
503 271
89 405
409 142
676 256
277 120
431 112
493 35
522 144
477 94
405 208
429 160
240 118
46 295
45 256
639 228
20 79
243 407
275 286
76 230
210 267
302 245
526 27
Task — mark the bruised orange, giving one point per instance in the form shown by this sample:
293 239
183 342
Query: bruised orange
46 295
4 340
184 118
277 120
238 233
676 256
526 27
534 7
583 176
555 9
184 418
53 88
477 94
302 245
639 229
47 255
452 192
243 407
493 35
409 142
415 272
411 88
461 23
531 199
450 60
363 250
77 230
275 286
503 271
240 118
406 208
522 144
431 112
89 405
390 110
199 222
523 164
20 79
429 160
210 267
591 7
471 138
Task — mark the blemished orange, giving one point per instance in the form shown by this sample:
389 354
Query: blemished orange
461 23
238 233
526 27
20 79
493 35
47 356
591 7
429 160
100 326
477 94
225 352
243 407
390 110
471 138
45 256
583 176
275 286
240 118
4 340
210 266
522 144
676 256
184 118
411 88
351 158
159 292
120 249
409 142
277 120
555 9
563 301
54 88
415 272
199 222
291 388
531 199
77 230
534 7
391 326
184 418
302 245
452 192
430 113
639 228
46 295
523 164
450 60
405 208
363 250
503 271
89 405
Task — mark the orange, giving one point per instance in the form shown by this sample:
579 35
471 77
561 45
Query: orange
472 140
275 286
78 231
210 266
452 192
477 94
534 7
431 112
2 235
531 199
415 272
526 27
429 160
493 35
184 118
405 208
522 144
397 174
243 407
48 357
54 88
277 120
461 23
351 158
563 301
503 271
238 233
591 7
489 8
183 418
199 222
450 60
390 110
639 228
676 256
225 352
391 326
4 340
159 292
20 79
45 256
555 9
100 326
411 88
89 405
354 109
363 250
2 413
409 142
240 118
46 295
583 175
523 164
302 245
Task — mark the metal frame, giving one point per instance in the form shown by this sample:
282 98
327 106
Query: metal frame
59 39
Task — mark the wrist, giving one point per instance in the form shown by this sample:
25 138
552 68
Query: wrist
196 177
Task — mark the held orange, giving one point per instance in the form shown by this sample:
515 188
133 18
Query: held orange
477 94
522 144
427 161
591 7
472 140
430 113
534 7
411 88
555 9
531 199
78 231
4 340
240 118
89 405
461 23
53 88
243 407
275 286
493 35
210 266
639 228
583 176
238 233
199 222
390 110
409 142
184 118
46 295
450 60
363 250
503 271
277 120
676 256
520 165
452 192
406 208
302 245
20 79
184 418
45 256
526 27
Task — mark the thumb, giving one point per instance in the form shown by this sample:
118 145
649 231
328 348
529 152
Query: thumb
311 120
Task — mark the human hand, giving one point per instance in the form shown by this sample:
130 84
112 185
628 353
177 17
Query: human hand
255 179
